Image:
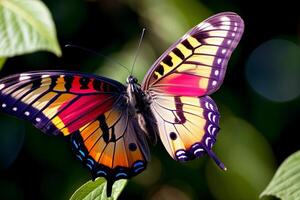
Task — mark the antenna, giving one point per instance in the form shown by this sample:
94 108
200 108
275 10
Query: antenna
96 53
137 50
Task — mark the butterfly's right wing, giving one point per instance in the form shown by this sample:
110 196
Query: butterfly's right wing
188 126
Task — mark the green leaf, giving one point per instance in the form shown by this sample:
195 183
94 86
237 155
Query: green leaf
96 190
2 61
286 182
26 26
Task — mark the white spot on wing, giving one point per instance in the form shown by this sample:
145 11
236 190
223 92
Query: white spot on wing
226 23
229 42
198 150
3 105
224 18
206 26
214 118
219 60
207 141
235 28
214 83
233 34
217 72
206 105
24 77
209 116
2 86
208 128
27 113
213 130
224 51
211 106
38 119
179 153
15 108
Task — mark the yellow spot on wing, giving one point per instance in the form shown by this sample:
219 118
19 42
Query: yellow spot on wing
60 125
175 60
200 70
203 83
39 104
185 51
193 41
19 93
52 109
166 67
202 59
60 84
205 49
32 96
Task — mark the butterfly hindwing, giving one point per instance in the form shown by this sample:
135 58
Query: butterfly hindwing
112 146
195 65
188 126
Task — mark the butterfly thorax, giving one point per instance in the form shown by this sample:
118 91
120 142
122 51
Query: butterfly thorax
139 103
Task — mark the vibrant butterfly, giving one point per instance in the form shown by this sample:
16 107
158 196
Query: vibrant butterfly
109 122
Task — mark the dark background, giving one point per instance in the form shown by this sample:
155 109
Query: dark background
259 99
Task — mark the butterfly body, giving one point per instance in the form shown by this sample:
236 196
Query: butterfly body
111 124
140 105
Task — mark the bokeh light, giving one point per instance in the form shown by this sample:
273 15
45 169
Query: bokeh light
167 192
273 70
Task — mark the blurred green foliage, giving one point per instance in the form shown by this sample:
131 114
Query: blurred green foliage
256 133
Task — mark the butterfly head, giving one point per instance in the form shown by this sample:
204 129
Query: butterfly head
131 80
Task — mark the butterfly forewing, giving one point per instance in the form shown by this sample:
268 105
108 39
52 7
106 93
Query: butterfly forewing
56 101
196 64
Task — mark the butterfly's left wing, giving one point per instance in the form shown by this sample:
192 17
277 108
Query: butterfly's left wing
93 109
180 80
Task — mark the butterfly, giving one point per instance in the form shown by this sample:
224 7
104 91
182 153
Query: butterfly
111 124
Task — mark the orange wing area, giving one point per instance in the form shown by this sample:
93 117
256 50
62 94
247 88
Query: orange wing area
112 146
196 64
187 126
58 102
